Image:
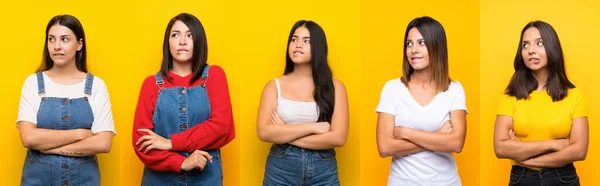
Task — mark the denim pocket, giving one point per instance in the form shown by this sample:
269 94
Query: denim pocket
516 175
567 176
88 171
278 150
328 154
36 173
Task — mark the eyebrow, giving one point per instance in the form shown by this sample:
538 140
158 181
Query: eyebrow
417 40
179 31
306 37
50 35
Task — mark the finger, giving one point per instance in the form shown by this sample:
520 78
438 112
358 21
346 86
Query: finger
145 144
149 148
145 130
142 139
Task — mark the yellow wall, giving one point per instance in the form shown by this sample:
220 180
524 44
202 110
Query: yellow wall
248 40
263 36
576 23
382 33
124 46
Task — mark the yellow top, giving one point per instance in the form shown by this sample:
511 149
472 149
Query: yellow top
538 118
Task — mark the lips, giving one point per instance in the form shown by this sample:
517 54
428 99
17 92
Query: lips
296 53
416 58
534 60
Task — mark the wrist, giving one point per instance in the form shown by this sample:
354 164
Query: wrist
405 133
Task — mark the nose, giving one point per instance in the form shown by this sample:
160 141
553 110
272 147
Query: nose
298 45
413 49
183 41
531 50
56 46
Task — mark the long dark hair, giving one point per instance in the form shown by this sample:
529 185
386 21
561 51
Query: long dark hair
434 37
74 25
200 51
523 83
324 93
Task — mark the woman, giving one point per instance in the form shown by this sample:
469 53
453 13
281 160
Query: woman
184 114
421 115
304 113
65 116
542 120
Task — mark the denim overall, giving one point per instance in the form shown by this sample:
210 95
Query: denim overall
176 110
62 114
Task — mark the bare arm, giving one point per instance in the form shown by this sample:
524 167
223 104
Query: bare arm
440 142
575 151
386 144
44 139
338 133
277 133
505 147
99 143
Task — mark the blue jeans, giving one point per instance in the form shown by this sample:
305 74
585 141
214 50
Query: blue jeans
563 176
295 166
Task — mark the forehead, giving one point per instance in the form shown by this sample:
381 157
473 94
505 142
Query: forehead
59 30
414 33
302 32
179 26
531 33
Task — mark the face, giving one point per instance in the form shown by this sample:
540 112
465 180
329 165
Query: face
299 48
181 42
533 52
62 45
416 51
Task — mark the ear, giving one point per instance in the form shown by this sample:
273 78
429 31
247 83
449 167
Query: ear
80 44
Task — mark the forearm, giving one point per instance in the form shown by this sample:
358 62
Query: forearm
99 143
435 141
284 133
522 150
44 139
391 147
557 159
321 141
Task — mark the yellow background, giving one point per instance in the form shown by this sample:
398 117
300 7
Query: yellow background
248 39
576 23
263 36
124 47
382 33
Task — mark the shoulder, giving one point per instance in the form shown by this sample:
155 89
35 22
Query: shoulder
31 80
215 70
393 84
575 93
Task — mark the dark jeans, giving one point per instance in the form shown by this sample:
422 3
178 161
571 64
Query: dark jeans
563 176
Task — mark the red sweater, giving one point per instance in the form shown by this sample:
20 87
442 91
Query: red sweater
213 133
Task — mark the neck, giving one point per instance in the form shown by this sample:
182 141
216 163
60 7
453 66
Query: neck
302 70
422 77
70 69
541 76
181 68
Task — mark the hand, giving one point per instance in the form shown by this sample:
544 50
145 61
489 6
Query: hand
401 132
511 134
275 118
196 160
50 151
152 141
446 127
560 144
83 133
321 127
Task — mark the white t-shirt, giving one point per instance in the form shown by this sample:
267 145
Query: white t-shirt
426 167
99 100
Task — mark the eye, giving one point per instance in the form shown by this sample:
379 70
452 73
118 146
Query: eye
65 39
175 35
525 45
307 41
421 42
540 43
51 39
408 43
293 40
189 35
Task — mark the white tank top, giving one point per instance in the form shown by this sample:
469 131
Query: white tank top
295 112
